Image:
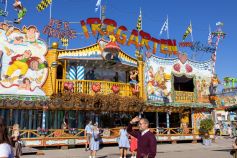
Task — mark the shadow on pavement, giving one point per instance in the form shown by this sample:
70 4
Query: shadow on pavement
226 150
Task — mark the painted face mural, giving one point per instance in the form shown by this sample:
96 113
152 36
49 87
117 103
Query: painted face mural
23 68
164 76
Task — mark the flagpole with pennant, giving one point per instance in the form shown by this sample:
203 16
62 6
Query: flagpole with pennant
209 39
5 9
188 31
191 31
97 6
50 17
139 28
165 27
139 21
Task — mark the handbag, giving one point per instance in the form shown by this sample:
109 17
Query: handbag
97 137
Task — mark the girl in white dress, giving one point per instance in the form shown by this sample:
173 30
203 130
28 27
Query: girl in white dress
95 141
123 142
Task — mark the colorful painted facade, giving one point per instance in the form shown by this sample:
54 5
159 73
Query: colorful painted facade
99 82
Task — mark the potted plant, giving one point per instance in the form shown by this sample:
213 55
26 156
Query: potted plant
206 125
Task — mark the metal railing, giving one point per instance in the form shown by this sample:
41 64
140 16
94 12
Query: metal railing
182 96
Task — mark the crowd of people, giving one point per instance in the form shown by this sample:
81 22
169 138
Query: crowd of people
226 129
141 143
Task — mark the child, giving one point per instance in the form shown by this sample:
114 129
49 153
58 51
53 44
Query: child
133 146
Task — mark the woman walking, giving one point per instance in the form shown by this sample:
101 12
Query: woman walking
123 142
5 146
95 141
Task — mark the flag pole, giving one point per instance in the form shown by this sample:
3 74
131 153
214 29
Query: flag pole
100 10
5 10
209 36
5 6
141 16
167 28
209 28
191 31
50 16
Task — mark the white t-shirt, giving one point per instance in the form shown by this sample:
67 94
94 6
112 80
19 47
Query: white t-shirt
217 126
6 151
88 129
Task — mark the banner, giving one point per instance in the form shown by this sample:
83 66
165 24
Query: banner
59 29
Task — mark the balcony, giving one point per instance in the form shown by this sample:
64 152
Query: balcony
93 86
184 97
203 99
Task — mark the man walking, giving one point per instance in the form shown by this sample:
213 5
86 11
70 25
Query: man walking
146 141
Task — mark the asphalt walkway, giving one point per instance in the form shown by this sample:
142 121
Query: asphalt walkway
220 149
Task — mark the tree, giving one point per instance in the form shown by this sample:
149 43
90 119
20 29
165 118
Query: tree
206 125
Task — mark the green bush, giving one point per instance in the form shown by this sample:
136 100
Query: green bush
206 125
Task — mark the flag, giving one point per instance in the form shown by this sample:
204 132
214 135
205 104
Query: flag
209 40
219 23
97 5
65 42
165 26
43 4
188 31
139 21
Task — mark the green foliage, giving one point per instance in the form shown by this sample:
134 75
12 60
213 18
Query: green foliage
206 125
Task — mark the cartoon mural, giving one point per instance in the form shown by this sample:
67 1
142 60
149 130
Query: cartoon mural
159 73
23 65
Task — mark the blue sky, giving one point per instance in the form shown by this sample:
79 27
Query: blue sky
202 13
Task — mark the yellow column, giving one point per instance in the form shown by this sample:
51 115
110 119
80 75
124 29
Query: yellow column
141 75
50 83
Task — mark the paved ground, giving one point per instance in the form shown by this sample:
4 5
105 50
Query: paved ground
220 149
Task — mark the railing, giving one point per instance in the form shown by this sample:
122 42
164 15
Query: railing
87 86
203 99
60 137
108 132
182 96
